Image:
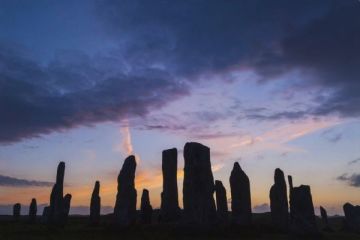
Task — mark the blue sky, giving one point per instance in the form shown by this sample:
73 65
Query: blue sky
268 84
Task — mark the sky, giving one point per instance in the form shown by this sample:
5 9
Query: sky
266 83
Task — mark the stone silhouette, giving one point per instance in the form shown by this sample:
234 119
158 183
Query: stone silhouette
221 202
33 210
198 185
352 217
45 215
95 205
240 196
170 210
324 218
146 209
16 211
279 201
56 209
125 205
302 215
290 191
67 203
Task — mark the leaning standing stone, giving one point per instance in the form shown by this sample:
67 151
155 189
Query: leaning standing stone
221 201
325 221
56 210
95 205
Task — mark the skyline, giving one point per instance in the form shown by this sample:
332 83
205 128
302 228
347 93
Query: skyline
266 84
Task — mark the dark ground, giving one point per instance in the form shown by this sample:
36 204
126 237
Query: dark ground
77 228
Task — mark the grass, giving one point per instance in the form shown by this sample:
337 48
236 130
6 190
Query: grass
77 228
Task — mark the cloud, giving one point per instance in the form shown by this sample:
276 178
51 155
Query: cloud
16 182
351 180
161 48
318 39
74 90
354 161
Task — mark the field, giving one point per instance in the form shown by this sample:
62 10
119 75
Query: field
78 228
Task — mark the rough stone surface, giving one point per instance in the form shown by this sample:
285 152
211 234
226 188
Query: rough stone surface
240 196
146 209
221 201
279 201
125 205
16 211
170 210
32 210
56 210
352 217
67 204
198 185
324 218
302 219
95 205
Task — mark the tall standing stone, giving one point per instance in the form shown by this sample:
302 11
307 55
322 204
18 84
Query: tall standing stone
95 205
352 217
291 187
279 201
32 210
170 210
67 204
302 217
240 196
221 201
16 211
198 186
146 209
56 210
324 218
125 205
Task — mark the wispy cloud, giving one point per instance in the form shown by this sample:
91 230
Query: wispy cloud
16 182
351 180
126 145
354 161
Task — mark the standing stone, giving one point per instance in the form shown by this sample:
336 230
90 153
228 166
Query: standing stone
324 218
45 215
16 211
67 203
125 205
221 201
279 201
198 186
240 196
33 210
95 205
170 210
291 187
352 217
146 209
302 218
56 211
